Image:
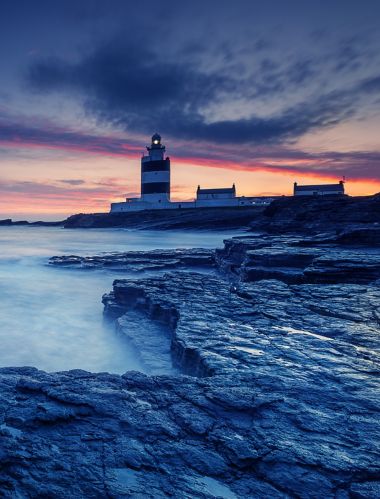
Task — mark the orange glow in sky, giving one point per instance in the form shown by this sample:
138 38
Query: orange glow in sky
85 183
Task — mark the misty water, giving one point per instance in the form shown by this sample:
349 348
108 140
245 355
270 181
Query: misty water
51 318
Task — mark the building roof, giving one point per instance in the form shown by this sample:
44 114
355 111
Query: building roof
320 187
224 190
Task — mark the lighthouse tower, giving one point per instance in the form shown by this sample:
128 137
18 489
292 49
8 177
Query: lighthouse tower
155 174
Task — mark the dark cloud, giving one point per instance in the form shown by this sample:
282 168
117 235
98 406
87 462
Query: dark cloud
354 165
136 88
23 133
124 83
371 85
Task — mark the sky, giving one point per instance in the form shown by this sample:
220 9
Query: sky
260 94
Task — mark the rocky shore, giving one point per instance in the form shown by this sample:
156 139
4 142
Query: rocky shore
264 359
8 222
200 218
285 214
138 261
314 214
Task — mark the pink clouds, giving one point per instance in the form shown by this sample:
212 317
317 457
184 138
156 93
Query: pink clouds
88 192
357 165
59 196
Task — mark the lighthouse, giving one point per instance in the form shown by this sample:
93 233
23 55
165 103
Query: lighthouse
155 174
155 188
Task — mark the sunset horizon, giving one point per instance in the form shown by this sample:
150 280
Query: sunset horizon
267 177
288 98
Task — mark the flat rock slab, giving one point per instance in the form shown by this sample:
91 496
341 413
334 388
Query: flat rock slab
259 434
261 257
137 261
307 354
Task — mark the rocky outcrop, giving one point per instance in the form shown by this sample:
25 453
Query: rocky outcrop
354 236
311 352
77 434
212 323
201 218
281 400
262 257
367 236
10 222
135 261
315 214
268 381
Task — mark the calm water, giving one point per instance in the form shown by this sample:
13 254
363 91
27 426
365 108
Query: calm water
51 318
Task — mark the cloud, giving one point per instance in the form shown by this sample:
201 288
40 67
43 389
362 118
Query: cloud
72 181
126 83
135 87
247 157
51 188
354 165
21 133
53 196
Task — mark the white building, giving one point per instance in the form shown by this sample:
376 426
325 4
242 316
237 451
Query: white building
155 188
319 190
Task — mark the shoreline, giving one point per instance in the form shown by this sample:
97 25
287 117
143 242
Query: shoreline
269 362
285 214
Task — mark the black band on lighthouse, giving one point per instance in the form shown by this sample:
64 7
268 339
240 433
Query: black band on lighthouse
162 165
155 188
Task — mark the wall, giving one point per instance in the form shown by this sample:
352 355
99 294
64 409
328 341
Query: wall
318 193
204 203
201 196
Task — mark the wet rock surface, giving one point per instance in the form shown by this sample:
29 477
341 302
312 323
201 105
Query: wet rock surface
136 261
311 349
295 260
77 434
218 328
282 400
268 383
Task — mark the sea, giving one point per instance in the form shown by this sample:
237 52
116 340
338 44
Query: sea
51 318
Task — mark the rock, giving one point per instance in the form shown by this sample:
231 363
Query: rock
257 258
137 261
280 401
367 236
215 330
344 267
201 218
306 356
9 221
267 387
322 213
250 434
6 221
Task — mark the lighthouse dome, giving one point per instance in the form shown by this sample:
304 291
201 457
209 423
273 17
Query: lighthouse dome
156 139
